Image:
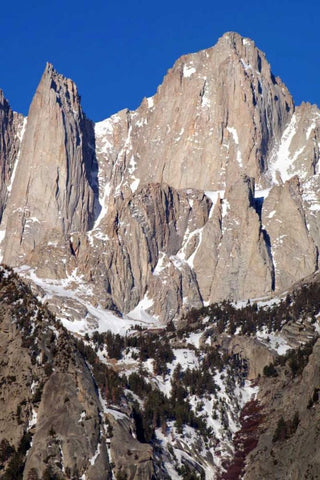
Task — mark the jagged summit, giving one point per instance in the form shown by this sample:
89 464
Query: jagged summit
52 191
64 87
49 68
235 39
52 72
231 46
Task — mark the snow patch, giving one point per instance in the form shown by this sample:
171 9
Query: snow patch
225 207
310 194
188 70
140 313
82 417
312 125
96 318
102 130
281 159
93 459
190 260
246 66
194 339
103 202
273 340
20 136
185 357
160 264
150 102
115 413
2 235
134 185
247 393
178 137
214 195
33 420
234 134
262 192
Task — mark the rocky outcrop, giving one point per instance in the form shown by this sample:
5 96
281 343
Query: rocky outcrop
243 265
131 457
53 192
289 452
293 250
257 355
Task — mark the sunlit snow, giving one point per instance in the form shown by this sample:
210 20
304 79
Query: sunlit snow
188 70
104 319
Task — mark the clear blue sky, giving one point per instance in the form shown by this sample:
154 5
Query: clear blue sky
117 52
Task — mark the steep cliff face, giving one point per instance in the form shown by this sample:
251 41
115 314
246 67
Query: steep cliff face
220 114
53 189
145 235
243 265
190 199
284 219
11 132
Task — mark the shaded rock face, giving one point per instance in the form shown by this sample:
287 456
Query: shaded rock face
209 190
255 352
11 125
49 395
296 454
177 248
144 246
124 446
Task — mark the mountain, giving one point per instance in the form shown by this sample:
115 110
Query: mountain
166 241
145 205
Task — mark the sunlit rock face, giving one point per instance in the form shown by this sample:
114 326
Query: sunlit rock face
209 190
52 192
